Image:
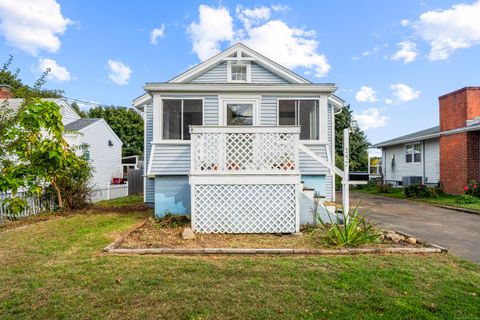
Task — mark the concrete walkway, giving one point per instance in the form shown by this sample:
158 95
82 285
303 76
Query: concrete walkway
457 231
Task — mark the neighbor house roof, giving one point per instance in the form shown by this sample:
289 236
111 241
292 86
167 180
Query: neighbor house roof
15 103
432 132
80 124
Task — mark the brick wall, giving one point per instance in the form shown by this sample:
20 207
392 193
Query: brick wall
460 152
453 162
5 92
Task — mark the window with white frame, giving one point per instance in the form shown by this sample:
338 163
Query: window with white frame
178 115
413 153
304 113
238 71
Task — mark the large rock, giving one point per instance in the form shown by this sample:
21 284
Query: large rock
188 234
411 241
394 237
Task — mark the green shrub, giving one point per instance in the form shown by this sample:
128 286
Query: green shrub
417 191
467 199
384 188
354 232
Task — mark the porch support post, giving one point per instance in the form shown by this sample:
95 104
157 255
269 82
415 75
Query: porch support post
346 173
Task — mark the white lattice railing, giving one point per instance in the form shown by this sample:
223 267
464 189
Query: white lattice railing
245 208
244 150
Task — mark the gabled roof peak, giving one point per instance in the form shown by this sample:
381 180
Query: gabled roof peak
240 51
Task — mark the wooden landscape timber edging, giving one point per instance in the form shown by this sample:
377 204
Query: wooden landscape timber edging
113 248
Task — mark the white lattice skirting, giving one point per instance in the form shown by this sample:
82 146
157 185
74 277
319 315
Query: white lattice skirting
244 208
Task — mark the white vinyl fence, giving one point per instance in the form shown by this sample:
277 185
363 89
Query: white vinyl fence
35 205
109 192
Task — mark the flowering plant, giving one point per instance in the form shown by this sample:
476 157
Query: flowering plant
472 189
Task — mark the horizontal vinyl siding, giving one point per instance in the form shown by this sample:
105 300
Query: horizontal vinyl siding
171 159
401 168
210 116
106 160
432 161
217 74
262 75
149 183
268 111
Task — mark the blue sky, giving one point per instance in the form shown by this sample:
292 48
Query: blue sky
390 59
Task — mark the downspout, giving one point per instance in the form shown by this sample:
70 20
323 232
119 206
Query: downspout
423 162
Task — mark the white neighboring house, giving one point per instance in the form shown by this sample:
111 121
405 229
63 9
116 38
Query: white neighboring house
103 146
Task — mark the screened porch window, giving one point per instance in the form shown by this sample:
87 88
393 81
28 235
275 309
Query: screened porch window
178 115
413 153
304 113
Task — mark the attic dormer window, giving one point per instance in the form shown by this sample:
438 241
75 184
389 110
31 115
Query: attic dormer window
238 71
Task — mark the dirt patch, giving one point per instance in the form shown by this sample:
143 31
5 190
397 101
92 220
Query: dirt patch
153 235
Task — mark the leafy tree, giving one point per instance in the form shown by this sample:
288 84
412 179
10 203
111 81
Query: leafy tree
358 142
21 90
81 113
36 154
126 123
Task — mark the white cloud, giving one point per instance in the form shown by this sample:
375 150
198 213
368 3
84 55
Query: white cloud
403 92
407 52
449 30
214 26
157 33
119 73
32 26
57 72
405 22
371 119
292 47
366 94
388 101
367 53
254 16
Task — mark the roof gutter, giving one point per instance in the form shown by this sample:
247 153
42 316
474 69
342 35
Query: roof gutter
428 136
207 87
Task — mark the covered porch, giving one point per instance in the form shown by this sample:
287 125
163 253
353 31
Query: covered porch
245 179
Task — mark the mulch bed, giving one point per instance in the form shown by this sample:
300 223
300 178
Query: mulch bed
151 234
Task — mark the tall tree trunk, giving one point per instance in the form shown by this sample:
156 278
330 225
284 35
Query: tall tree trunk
59 194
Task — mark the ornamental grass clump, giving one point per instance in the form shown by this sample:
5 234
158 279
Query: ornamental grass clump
355 231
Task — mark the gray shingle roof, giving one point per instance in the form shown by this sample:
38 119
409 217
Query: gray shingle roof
80 124
419 135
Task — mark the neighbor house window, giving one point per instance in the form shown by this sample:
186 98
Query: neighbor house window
303 113
413 153
178 115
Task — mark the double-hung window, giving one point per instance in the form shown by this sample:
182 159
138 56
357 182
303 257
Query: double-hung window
413 153
304 113
178 115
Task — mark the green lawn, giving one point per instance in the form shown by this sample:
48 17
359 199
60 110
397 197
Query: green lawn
443 199
56 269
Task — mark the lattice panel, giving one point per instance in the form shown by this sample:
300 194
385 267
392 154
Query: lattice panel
244 152
245 208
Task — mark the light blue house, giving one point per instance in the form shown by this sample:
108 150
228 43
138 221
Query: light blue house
240 143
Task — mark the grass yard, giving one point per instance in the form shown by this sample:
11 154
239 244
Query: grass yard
443 199
56 269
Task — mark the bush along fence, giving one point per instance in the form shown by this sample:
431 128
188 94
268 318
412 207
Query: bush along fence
39 204
35 205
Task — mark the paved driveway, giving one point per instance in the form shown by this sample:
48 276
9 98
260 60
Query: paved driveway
457 231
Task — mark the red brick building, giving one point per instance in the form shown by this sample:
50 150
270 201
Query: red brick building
448 154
